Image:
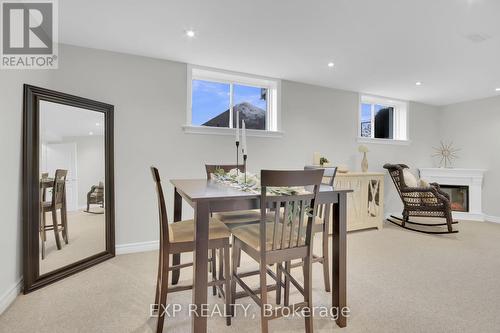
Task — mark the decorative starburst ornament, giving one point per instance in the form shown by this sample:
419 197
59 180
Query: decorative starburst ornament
447 153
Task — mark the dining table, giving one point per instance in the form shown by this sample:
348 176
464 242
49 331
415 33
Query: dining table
210 196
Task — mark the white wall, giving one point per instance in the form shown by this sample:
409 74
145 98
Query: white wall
474 127
150 104
89 164
11 107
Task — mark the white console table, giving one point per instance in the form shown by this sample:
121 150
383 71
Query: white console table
365 206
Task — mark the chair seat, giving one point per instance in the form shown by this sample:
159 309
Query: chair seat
238 218
250 235
47 205
183 231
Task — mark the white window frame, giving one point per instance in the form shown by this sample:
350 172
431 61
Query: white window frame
401 133
273 116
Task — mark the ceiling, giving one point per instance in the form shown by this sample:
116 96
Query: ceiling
59 121
379 47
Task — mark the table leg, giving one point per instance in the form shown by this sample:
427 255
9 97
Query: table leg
339 246
200 268
176 258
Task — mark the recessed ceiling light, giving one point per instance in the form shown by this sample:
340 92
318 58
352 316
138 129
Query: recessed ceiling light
497 89
331 64
190 33
97 124
91 133
418 83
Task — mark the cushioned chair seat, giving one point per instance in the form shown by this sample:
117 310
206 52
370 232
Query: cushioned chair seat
240 216
250 234
246 217
183 231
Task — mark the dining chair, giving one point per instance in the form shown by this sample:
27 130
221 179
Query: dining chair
237 217
323 225
234 218
288 236
56 203
178 237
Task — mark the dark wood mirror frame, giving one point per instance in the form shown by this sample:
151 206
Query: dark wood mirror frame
31 196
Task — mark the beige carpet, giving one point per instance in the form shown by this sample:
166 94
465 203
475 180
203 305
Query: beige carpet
399 281
87 236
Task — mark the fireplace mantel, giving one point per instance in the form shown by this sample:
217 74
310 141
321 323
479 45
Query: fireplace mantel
473 178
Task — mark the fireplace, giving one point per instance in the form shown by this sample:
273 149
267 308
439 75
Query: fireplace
459 196
464 187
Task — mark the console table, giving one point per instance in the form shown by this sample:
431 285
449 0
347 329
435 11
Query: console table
365 205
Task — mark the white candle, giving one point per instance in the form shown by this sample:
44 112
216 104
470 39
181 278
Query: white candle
237 126
244 139
316 158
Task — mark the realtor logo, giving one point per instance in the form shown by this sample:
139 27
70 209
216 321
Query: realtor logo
29 34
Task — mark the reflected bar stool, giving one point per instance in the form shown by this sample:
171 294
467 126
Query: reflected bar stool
177 238
287 237
58 202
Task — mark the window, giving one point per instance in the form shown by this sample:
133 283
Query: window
382 120
216 99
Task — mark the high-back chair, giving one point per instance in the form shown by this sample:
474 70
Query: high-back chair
57 202
322 224
235 218
238 217
285 237
423 201
176 238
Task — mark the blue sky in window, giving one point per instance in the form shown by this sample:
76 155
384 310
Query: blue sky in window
210 99
366 112
248 94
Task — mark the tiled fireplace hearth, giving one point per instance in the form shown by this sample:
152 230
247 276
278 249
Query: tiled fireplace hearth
463 185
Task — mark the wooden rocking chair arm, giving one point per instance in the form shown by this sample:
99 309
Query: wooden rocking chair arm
443 193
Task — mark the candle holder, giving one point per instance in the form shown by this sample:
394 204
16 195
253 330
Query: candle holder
245 166
237 158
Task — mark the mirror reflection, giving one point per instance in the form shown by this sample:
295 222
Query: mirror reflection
72 178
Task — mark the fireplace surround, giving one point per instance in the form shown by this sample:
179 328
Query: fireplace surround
463 185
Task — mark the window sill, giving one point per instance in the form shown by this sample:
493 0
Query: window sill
385 141
229 131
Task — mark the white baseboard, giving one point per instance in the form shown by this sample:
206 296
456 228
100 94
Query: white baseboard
494 219
137 247
10 295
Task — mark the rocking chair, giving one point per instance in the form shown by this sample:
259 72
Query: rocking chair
425 201
95 197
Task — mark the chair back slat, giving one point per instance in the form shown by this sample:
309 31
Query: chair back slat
59 187
301 223
294 207
162 210
290 210
276 225
284 225
211 168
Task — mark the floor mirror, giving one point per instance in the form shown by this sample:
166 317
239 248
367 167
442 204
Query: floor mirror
68 187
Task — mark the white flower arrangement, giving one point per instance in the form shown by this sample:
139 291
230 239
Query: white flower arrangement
236 178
